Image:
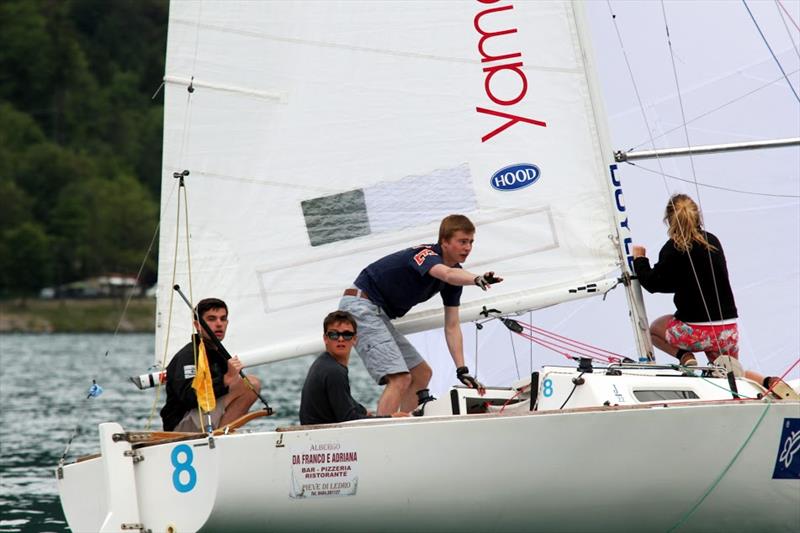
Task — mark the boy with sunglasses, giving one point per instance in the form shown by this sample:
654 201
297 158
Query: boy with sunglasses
326 397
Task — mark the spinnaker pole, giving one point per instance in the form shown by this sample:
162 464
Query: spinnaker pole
622 156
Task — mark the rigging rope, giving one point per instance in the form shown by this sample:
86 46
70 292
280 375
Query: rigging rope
575 382
775 382
520 391
514 352
598 352
559 343
530 344
728 189
764 38
715 109
726 389
779 6
725 470
185 130
635 88
788 15
112 342
652 141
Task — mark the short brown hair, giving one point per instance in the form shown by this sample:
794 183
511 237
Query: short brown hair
339 316
207 304
453 223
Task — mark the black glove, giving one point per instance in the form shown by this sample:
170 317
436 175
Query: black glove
462 373
485 281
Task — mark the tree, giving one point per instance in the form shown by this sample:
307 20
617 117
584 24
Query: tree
19 131
103 226
25 260
44 169
16 205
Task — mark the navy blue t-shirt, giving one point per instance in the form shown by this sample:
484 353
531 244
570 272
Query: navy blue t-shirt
399 281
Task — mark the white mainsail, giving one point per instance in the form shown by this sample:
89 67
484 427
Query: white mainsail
315 149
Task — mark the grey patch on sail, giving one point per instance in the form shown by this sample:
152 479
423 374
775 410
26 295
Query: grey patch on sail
337 217
390 206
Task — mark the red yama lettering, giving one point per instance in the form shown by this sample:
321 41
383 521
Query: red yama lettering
512 68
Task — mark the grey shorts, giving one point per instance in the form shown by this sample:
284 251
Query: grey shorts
383 349
189 422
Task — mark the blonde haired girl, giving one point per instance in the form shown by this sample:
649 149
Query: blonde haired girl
692 266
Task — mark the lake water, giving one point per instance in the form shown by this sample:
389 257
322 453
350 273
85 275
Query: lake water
44 381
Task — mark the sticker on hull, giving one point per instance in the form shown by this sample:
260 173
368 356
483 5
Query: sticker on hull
323 469
787 463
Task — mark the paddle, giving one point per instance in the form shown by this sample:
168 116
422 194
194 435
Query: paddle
220 347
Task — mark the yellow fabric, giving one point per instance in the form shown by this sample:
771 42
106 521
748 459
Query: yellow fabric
202 384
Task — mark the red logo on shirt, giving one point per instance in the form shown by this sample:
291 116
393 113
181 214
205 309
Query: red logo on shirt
422 254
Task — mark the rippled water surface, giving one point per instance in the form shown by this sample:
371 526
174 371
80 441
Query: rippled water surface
44 381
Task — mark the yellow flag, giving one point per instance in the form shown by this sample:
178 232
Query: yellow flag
202 384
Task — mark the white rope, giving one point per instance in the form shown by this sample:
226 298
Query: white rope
696 187
652 140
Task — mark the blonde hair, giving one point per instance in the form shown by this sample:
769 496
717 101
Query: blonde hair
685 223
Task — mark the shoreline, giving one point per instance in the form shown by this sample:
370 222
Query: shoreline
72 315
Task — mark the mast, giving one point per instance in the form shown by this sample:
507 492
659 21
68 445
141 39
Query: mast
623 237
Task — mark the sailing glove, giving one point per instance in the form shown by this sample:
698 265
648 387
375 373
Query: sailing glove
485 281
462 373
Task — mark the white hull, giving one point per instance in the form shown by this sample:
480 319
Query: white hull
624 468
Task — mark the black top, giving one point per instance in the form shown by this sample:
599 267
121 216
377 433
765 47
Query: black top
326 394
399 281
673 274
181 397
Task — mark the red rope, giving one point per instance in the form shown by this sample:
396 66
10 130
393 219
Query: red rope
556 349
776 381
788 15
572 342
520 391
557 343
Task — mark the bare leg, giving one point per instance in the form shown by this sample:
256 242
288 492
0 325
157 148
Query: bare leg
396 387
658 334
239 399
420 377
755 376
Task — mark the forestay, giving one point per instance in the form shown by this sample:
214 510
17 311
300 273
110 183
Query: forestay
313 149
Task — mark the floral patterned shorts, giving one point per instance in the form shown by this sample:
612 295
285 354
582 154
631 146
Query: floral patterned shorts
723 339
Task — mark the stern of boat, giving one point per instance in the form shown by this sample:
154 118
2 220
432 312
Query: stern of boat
157 487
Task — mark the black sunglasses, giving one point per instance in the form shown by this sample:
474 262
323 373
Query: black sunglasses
334 335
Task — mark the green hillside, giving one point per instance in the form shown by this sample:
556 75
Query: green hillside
80 138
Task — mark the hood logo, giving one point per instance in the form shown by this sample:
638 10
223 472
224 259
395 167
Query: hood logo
515 177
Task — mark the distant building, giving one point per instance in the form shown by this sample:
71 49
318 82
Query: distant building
105 286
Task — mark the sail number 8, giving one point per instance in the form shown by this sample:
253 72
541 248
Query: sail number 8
547 388
182 461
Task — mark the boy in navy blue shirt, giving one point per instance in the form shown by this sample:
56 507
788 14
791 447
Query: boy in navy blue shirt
389 288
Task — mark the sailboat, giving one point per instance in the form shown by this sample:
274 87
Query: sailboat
304 140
